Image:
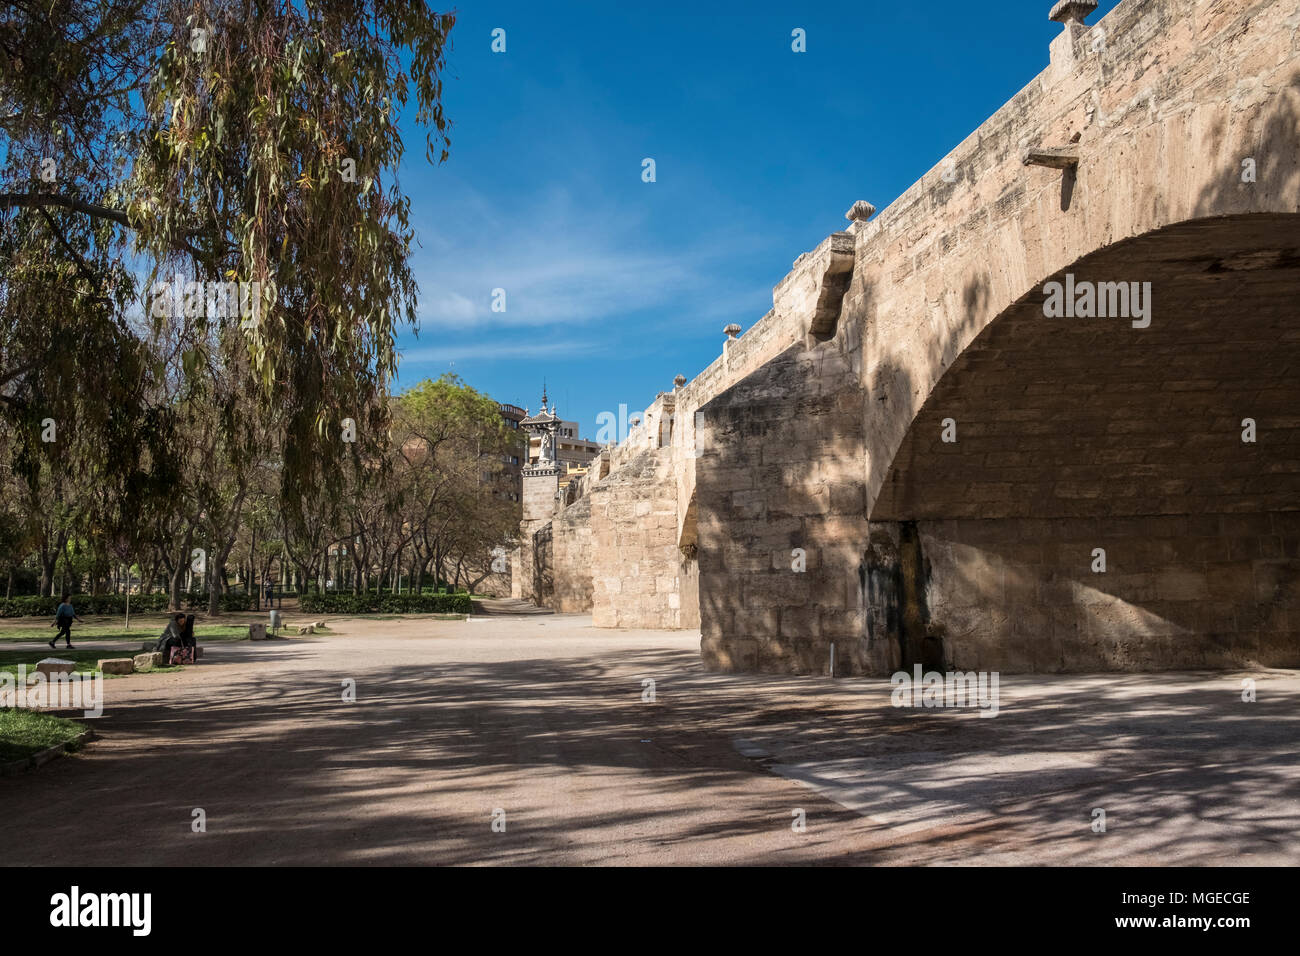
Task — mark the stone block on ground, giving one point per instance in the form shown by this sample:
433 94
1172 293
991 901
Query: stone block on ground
306 629
147 662
198 652
257 632
55 665
116 665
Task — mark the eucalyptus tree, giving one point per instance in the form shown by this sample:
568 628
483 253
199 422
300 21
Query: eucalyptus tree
208 142
269 152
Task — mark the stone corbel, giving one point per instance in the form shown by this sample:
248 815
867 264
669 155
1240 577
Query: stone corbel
1053 157
815 287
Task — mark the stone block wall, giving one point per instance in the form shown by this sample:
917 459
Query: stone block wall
1178 591
640 573
543 566
532 565
781 520
572 553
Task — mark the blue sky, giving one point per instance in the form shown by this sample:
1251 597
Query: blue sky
613 285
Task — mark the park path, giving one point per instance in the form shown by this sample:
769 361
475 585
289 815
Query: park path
543 717
452 720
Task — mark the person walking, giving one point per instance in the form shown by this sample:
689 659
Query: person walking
270 594
64 615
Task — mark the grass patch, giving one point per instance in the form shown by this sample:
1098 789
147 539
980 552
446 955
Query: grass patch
26 732
84 661
112 629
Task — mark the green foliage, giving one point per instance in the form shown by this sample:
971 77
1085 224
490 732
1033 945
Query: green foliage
219 142
27 732
267 152
271 156
86 604
230 600
383 603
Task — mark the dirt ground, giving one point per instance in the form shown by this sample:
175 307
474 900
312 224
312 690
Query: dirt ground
543 717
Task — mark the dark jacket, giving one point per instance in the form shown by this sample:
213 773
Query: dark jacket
171 637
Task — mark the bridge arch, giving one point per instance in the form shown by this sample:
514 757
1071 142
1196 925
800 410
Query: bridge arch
1093 493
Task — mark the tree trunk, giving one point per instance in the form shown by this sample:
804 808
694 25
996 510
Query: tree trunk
179 572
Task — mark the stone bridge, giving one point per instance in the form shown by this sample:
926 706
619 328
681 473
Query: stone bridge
1039 414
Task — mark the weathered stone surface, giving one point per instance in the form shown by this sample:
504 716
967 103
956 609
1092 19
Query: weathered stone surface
54 665
257 631
571 549
147 662
116 665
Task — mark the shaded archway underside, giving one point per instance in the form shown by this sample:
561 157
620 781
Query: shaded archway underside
1080 417
1099 507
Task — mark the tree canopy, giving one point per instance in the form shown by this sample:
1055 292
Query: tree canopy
247 142
204 266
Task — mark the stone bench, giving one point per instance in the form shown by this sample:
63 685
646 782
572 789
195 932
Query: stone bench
117 665
147 662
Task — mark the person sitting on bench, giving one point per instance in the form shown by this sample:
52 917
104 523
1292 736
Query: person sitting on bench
171 637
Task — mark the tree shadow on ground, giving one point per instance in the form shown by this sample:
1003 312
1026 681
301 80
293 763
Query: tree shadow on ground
289 773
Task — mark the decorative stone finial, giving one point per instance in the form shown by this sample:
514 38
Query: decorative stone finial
634 420
732 330
679 380
860 211
1072 11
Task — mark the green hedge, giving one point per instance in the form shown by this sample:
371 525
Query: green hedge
385 603
36 606
230 601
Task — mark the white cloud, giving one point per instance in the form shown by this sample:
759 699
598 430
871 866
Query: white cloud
562 263
501 347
